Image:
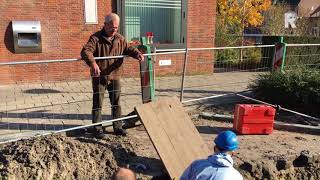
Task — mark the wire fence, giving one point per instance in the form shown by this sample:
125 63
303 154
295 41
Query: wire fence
50 95
302 55
231 71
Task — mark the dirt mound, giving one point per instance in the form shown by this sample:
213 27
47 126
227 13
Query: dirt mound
280 155
60 157
304 166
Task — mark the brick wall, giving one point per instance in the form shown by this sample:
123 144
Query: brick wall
201 32
64 32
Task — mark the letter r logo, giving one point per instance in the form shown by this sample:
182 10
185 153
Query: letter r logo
290 19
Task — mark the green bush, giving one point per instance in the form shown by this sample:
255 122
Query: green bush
252 55
227 57
231 58
296 89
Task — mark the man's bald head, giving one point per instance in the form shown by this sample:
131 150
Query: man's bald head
111 24
124 174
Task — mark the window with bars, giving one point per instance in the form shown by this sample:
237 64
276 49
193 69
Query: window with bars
161 19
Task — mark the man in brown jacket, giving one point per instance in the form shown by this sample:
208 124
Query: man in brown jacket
106 72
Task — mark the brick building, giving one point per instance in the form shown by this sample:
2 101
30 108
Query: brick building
67 25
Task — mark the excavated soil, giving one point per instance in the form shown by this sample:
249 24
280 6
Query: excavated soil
281 155
62 157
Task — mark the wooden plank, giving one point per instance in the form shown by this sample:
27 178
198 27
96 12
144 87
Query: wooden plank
173 134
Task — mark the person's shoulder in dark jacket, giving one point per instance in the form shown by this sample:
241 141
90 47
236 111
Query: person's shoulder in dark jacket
119 36
98 34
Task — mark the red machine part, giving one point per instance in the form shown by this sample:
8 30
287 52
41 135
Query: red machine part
253 119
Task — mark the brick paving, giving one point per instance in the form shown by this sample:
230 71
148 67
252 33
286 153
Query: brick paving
50 106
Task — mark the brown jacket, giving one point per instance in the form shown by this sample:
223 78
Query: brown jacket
99 46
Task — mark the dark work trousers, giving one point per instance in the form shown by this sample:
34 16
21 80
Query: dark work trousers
100 85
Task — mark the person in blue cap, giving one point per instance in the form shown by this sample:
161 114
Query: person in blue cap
218 166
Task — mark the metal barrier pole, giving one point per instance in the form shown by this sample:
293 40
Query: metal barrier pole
161 52
154 71
283 57
183 74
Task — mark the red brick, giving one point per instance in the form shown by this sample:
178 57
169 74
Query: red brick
64 32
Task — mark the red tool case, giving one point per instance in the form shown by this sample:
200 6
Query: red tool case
253 119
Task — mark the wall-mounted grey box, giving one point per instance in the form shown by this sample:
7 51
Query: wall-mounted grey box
27 36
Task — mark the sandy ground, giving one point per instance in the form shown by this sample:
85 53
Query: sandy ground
259 156
275 156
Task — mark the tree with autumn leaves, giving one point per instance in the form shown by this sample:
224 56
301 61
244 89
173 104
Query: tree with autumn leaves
236 15
233 16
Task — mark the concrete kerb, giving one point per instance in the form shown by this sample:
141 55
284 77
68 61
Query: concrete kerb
315 130
281 126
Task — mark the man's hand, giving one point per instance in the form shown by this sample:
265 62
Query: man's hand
95 70
140 57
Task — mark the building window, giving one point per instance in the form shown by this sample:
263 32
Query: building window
90 11
162 19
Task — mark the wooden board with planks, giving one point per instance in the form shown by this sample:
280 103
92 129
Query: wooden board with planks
173 134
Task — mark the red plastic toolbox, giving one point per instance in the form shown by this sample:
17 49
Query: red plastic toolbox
253 119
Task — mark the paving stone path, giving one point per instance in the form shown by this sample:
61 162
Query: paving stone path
50 106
